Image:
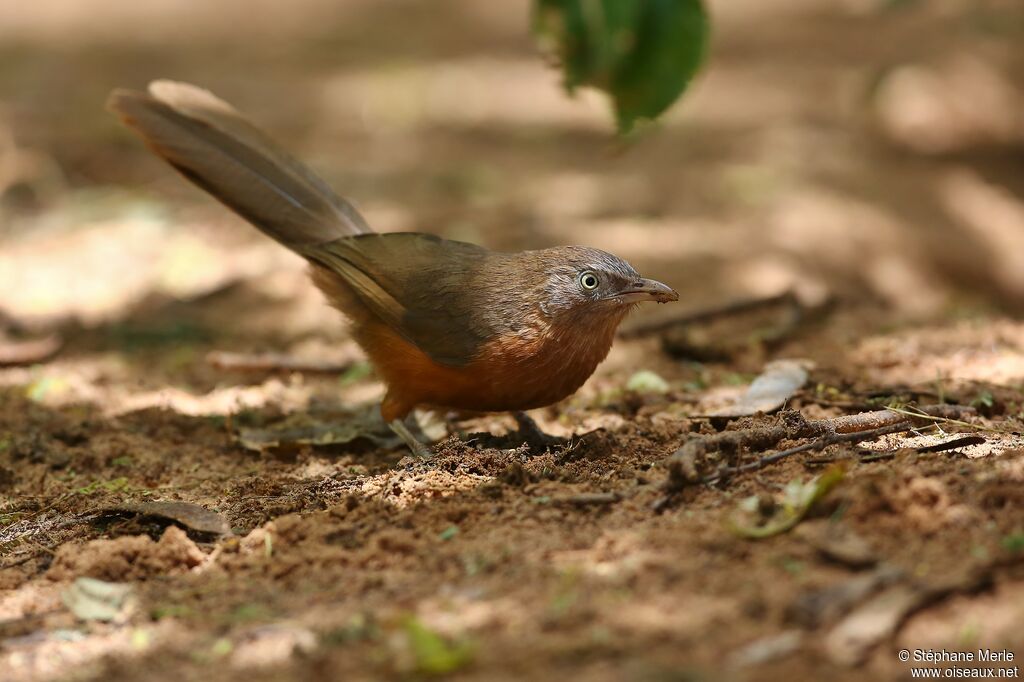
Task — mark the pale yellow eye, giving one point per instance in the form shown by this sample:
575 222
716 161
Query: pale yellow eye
589 281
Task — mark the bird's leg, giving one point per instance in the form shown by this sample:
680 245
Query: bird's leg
532 434
416 446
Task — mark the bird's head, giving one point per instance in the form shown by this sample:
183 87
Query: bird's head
581 280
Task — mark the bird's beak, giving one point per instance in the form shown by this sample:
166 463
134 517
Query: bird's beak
646 290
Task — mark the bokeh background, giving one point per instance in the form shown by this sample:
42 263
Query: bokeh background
870 149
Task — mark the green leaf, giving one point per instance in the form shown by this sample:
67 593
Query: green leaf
112 486
643 53
434 654
797 499
591 36
448 533
1014 542
646 381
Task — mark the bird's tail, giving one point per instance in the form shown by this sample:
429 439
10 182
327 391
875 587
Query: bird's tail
218 149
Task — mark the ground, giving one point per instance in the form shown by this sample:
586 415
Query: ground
853 169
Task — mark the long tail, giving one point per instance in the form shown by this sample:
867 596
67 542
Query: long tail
214 146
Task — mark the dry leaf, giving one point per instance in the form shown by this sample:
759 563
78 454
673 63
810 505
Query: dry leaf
92 599
770 391
191 516
303 429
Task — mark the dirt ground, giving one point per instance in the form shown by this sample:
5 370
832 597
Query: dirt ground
854 167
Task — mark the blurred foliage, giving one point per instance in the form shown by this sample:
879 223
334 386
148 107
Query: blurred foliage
780 516
432 653
643 53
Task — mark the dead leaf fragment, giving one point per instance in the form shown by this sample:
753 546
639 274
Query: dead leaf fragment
191 516
826 605
92 599
855 636
842 545
301 429
769 391
767 649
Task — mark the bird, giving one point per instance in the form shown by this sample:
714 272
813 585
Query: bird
446 324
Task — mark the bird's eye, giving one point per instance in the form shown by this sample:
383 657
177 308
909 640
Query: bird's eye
588 281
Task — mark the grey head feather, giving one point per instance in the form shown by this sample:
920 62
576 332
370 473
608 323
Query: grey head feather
564 290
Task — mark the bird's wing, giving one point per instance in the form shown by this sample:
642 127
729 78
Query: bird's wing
424 287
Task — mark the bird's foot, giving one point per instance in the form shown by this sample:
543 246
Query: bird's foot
415 445
531 434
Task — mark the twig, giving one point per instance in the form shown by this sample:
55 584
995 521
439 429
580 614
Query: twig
938 447
873 420
684 465
953 444
948 420
819 444
272 362
661 323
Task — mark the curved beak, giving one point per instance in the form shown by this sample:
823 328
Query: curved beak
646 290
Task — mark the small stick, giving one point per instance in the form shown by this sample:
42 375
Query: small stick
272 362
819 444
661 323
938 447
953 444
873 420
683 464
